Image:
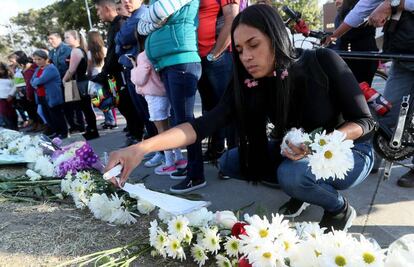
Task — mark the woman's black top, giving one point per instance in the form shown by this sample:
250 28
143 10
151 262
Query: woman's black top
326 95
80 74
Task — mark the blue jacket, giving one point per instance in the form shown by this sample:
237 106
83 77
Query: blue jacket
50 79
176 41
126 35
59 57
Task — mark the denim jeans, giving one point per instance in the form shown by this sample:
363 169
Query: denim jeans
297 180
140 105
400 83
214 81
180 82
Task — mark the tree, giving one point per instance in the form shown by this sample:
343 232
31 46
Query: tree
309 10
58 17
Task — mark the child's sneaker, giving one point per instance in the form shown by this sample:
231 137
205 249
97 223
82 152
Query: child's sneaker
156 160
181 164
165 170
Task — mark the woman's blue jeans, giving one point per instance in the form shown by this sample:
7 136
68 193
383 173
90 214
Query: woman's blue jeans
180 82
296 179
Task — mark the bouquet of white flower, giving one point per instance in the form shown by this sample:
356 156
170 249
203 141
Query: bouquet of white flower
330 154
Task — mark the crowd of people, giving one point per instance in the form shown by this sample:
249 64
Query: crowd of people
248 74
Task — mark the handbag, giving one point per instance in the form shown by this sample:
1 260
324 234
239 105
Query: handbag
83 88
71 91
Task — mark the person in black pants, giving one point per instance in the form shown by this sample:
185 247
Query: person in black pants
78 65
106 10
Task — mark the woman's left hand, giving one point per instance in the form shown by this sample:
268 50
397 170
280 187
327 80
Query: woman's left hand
297 152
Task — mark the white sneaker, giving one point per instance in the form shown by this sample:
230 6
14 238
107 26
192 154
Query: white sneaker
165 170
156 160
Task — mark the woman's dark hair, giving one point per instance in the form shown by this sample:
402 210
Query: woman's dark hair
95 46
268 21
8 74
41 53
22 58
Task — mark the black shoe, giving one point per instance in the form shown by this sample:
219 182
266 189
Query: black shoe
407 180
131 141
89 135
223 176
109 126
125 129
179 174
187 185
338 221
212 155
75 129
293 208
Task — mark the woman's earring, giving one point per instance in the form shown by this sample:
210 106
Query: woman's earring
284 74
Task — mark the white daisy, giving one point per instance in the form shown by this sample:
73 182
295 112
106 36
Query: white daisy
333 255
211 239
199 255
232 246
222 261
259 228
304 254
269 254
34 176
178 227
174 248
161 242
306 230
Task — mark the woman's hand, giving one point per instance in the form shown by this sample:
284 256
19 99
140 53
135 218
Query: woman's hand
129 158
328 40
297 152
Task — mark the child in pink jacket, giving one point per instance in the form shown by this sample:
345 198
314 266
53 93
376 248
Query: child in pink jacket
148 83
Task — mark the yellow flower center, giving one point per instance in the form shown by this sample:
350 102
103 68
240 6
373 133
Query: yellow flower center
178 226
234 245
287 245
328 154
368 257
340 261
175 245
267 255
317 253
263 233
213 241
322 142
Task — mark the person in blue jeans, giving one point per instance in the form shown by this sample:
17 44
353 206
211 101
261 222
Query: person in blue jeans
275 83
171 46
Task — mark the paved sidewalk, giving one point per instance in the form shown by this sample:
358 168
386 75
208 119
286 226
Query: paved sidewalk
385 211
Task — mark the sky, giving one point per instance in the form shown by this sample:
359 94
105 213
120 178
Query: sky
10 8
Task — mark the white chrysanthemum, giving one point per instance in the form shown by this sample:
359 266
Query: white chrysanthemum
145 207
319 141
119 215
99 207
279 224
296 137
199 255
370 254
32 153
222 261
164 216
211 239
259 228
200 218
306 230
331 162
178 227
161 242
44 166
34 176
188 236
83 176
174 248
66 185
232 246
